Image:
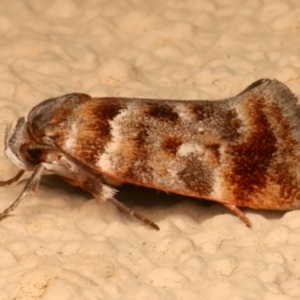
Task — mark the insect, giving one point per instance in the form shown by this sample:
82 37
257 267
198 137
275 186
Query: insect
242 151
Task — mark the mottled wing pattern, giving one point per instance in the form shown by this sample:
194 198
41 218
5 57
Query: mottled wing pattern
242 150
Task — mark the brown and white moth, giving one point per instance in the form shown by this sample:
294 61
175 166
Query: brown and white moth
242 151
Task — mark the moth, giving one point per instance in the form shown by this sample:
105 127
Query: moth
241 152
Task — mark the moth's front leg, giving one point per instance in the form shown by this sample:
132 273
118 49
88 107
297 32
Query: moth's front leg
12 180
87 180
28 190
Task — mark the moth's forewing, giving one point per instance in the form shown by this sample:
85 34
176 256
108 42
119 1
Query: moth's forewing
241 151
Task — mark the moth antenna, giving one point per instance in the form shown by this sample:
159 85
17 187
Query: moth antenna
133 213
28 190
12 180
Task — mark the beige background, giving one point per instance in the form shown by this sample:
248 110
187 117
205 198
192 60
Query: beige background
60 245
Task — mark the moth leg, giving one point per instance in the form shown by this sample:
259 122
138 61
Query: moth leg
28 190
133 213
239 213
12 180
93 183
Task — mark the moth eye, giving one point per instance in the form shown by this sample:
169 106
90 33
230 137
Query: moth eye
34 155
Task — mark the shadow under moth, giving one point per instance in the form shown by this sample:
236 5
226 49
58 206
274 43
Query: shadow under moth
241 151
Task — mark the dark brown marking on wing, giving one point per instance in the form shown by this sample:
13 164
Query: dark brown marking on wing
170 145
101 113
163 112
288 187
94 127
197 177
109 108
251 158
203 112
230 126
223 120
140 171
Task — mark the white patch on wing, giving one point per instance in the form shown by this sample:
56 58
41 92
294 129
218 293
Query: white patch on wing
187 149
71 140
218 187
183 112
104 162
111 155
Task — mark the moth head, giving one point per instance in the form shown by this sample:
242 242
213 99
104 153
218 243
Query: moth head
21 149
